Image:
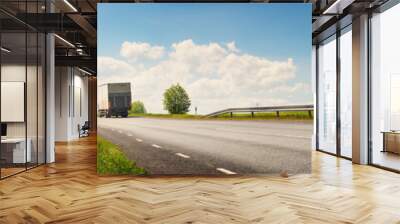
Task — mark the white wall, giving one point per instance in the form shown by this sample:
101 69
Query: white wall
80 89
62 82
14 72
70 83
33 126
17 73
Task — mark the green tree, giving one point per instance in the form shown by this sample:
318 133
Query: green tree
138 108
176 100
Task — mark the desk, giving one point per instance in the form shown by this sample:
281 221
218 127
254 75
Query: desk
391 141
13 150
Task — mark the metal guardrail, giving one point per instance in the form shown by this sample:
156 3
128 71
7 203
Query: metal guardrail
276 109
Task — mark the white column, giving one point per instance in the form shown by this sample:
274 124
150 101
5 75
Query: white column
360 90
50 98
314 90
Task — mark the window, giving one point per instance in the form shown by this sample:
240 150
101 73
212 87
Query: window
346 92
327 95
385 89
22 93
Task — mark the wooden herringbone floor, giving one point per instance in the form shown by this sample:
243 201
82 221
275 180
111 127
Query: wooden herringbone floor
69 191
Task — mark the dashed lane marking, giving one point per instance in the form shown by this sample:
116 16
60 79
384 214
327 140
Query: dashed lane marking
156 146
225 171
182 155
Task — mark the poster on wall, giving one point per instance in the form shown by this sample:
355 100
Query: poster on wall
204 89
13 99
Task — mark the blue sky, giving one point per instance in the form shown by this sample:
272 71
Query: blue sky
274 32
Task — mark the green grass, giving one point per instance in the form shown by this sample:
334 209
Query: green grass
112 161
295 115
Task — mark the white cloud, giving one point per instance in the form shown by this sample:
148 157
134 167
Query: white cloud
138 50
114 70
215 76
291 89
232 47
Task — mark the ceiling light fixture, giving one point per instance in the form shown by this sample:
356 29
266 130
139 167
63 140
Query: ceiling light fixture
331 7
84 71
337 7
5 50
64 40
70 5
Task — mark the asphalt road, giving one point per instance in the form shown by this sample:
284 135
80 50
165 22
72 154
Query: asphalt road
204 147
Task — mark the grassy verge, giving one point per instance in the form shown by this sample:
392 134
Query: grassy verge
112 161
295 115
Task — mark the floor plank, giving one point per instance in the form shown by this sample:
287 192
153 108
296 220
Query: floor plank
70 191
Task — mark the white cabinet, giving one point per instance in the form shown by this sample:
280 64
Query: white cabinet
19 155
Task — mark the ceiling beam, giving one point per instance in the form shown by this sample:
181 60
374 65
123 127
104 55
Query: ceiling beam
84 24
77 61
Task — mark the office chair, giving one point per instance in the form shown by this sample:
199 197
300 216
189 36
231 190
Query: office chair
84 130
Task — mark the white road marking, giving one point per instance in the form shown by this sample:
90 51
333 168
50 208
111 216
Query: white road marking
225 171
156 146
139 140
112 129
182 155
129 134
119 131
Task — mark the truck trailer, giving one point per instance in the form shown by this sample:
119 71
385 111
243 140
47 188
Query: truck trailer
114 99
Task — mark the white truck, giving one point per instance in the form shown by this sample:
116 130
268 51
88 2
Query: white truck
114 99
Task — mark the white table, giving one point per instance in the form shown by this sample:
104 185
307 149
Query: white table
19 153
